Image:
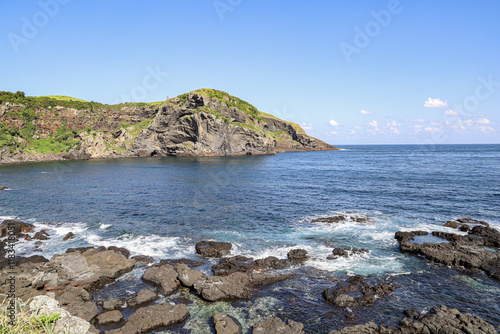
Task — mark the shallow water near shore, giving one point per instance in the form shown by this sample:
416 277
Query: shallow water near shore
264 205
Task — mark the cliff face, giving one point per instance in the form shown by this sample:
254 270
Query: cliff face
204 122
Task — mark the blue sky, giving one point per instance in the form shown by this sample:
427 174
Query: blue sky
350 72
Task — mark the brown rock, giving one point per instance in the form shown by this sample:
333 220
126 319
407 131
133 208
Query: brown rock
110 317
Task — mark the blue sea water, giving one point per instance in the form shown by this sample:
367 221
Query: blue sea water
264 206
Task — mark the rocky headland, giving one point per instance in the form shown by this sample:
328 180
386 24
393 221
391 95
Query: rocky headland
205 122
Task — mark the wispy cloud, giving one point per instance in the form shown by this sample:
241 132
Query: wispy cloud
307 127
484 121
435 103
374 124
365 112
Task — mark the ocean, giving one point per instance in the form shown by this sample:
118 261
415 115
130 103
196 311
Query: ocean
264 205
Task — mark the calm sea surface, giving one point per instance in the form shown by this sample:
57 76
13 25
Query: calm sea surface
264 205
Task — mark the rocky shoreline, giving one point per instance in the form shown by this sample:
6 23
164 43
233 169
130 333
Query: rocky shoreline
66 284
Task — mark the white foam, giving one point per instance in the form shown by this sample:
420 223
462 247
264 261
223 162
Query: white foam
150 245
61 229
7 218
104 226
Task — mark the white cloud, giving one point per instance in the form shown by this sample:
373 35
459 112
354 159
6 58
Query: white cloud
365 112
451 112
435 103
419 120
333 122
395 130
392 124
418 128
374 124
431 129
484 121
358 127
333 132
469 122
352 132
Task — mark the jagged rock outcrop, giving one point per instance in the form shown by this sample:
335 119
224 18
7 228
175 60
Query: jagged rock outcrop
438 320
205 122
457 250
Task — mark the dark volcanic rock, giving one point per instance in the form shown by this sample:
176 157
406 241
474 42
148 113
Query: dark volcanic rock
68 236
142 297
355 291
234 286
213 248
41 235
163 275
112 304
142 260
342 252
152 317
340 218
406 236
17 227
276 326
230 265
438 320
78 302
271 262
110 317
465 251
225 324
121 250
188 262
3 188
297 255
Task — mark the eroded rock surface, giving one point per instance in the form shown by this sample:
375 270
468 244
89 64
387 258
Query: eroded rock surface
277 326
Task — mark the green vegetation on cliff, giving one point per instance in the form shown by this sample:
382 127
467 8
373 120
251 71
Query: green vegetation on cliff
229 100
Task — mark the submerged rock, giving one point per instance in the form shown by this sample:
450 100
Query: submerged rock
3 188
213 248
152 317
188 262
342 252
225 324
277 326
340 218
356 291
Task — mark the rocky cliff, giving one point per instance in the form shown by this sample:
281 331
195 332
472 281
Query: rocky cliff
203 122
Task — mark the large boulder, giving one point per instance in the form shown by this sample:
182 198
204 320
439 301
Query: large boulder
112 304
153 317
213 248
67 323
277 326
78 302
163 275
234 286
341 218
186 275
